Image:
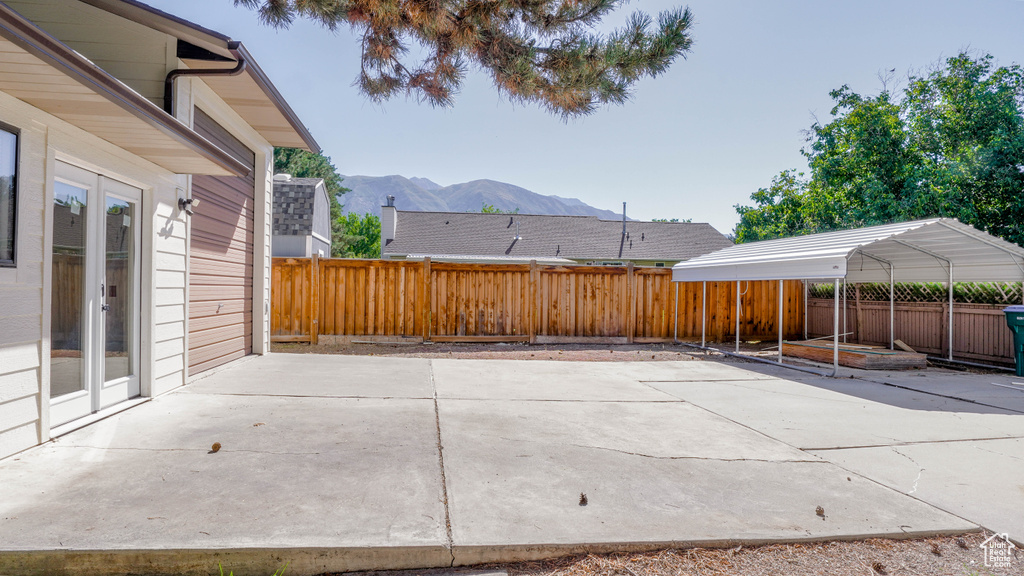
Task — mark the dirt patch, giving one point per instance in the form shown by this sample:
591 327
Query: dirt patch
577 352
521 351
952 556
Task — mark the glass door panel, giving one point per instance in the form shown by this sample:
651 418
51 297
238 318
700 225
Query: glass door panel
67 313
118 292
117 367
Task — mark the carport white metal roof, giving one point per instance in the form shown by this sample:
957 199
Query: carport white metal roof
918 251
936 250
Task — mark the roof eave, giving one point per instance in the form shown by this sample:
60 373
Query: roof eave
263 81
29 37
210 40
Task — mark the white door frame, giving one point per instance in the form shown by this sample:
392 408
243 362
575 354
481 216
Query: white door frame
96 393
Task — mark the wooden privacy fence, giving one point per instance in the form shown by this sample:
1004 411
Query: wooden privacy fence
979 330
447 302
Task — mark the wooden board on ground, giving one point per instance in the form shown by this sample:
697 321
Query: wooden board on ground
856 356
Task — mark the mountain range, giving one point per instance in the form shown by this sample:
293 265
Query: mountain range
421 194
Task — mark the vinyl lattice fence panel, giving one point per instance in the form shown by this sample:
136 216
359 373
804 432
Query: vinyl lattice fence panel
920 316
997 293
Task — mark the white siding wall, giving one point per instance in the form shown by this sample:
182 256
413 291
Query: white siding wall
21 291
24 317
132 53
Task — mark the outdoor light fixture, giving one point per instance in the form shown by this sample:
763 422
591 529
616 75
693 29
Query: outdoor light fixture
188 205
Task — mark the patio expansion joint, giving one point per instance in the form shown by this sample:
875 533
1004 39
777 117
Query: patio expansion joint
449 541
313 396
917 443
710 459
198 450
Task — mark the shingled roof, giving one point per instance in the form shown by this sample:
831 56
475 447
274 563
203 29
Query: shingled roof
438 234
294 201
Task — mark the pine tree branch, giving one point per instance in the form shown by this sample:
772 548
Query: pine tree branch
536 51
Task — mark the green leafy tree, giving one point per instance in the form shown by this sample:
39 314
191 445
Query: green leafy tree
950 144
361 235
303 164
542 52
672 220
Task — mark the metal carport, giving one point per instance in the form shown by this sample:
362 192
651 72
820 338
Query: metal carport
935 250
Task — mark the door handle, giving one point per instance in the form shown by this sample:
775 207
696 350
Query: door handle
105 307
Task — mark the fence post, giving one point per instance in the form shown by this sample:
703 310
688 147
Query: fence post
631 298
532 303
314 297
427 305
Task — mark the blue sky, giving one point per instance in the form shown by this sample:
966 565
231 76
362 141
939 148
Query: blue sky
691 144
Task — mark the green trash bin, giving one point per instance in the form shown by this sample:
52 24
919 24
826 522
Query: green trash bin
1015 320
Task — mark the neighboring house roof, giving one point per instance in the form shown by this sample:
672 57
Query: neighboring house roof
95 101
251 94
546 237
294 205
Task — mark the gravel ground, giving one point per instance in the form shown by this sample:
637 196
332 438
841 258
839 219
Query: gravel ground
933 556
952 556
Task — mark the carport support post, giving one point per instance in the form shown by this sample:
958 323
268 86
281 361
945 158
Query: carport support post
892 308
738 316
951 310
844 310
703 312
781 304
835 331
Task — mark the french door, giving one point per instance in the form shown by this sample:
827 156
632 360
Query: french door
95 293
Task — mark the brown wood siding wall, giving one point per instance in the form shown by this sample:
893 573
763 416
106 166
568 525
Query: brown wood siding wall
221 258
514 302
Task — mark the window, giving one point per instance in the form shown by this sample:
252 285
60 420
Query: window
8 194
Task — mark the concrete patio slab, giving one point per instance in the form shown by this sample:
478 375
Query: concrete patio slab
810 412
658 430
322 375
545 380
983 481
318 481
333 463
980 388
521 486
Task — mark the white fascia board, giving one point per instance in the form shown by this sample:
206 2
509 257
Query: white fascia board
807 269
